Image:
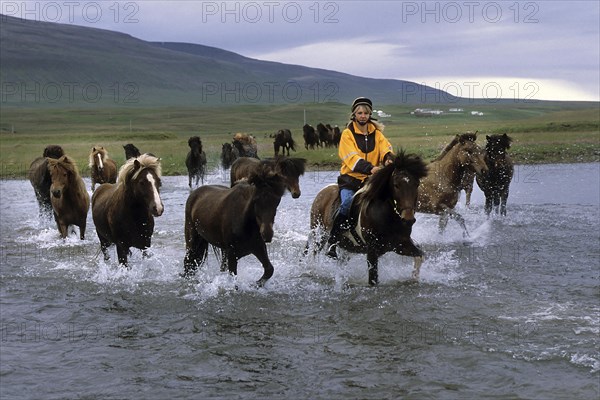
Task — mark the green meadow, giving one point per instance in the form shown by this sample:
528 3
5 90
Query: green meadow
542 132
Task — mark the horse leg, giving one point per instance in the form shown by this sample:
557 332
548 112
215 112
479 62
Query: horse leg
488 204
461 221
443 221
503 200
263 257
63 229
195 254
122 252
104 244
372 265
409 248
190 179
82 229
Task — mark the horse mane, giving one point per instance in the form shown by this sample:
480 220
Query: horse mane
53 151
97 149
69 165
145 161
498 142
291 166
244 138
471 136
377 184
265 177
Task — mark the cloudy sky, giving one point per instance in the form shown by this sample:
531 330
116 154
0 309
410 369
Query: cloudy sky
511 49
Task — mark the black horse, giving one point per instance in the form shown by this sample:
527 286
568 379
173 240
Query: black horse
195 161
131 151
384 211
238 220
284 140
495 181
311 138
228 155
40 179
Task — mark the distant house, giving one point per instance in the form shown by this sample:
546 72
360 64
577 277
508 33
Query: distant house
478 113
426 112
456 110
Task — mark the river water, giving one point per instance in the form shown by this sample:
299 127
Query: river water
512 314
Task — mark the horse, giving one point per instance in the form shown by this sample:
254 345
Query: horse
237 220
102 168
384 211
337 136
283 139
311 139
40 179
228 155
195 161
70 200
439 191
466 181
124 212
325 135
496 181
246 145
290 169
131 151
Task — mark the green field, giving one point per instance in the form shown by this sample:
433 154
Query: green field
542 132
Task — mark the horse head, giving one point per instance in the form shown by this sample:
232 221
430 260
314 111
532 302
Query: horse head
469 154
397 183
53 151
97 157
291 169
141 176
195 144
270 187
404 184
62 171
495 148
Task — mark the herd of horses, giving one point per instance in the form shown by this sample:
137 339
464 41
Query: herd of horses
238 220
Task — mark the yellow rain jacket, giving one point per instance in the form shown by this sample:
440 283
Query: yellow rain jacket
360 153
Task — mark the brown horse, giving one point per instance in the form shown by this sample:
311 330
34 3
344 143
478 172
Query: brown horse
102 168
284 140
70 200
124 212
496 181
40 179
439 191
290 169
195 161
238 220
384 211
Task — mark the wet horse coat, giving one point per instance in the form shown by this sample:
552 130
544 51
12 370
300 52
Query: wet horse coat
384 210
102 168
40 179
495 182
70 201
238 220
439 191
124 212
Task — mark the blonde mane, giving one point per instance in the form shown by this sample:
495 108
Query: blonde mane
146 161
97 149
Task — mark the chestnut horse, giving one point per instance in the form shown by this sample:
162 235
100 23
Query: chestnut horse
238 220
195 161
124 212
70 200
496 181
440 190
384 211
40 179
102 168
290 170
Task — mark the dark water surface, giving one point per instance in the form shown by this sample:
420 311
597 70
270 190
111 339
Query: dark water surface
514 314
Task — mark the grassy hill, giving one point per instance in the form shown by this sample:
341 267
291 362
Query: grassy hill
50 64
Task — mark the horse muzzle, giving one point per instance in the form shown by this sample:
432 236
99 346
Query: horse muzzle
56 193
295 195
157 210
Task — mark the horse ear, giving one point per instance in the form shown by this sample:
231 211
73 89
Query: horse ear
136 165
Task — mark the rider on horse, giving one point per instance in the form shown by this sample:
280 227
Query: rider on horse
363 148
